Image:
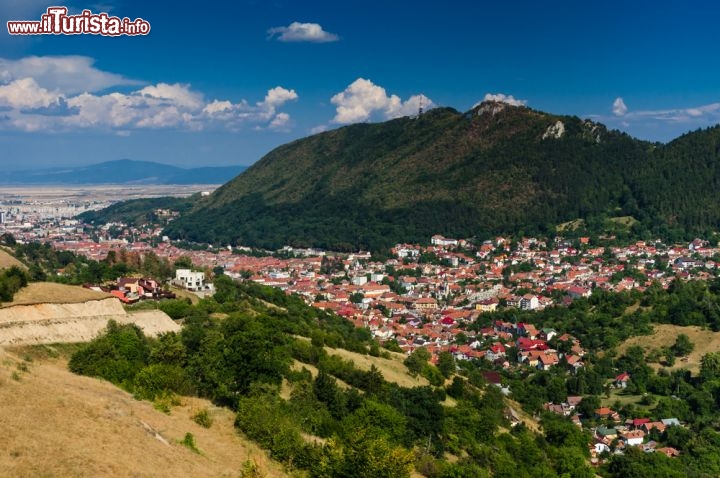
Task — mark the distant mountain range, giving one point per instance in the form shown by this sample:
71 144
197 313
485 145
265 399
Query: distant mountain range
492 170
123 171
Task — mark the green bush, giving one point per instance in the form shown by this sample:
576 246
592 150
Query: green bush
117 356
203 418
11 281
176 308
157 379
189 442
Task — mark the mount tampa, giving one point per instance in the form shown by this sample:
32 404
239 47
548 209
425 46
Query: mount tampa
495 169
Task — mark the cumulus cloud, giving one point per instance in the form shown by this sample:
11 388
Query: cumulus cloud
659 124
619 108
68 93
58 108
66 74
177 94
217 107
279 95
280 121
704 113
156 107
362 99
302 32
26 93
502 98
319 129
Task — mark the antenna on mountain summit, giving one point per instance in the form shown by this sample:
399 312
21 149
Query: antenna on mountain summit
420 108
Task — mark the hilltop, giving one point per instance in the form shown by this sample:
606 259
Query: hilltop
494 169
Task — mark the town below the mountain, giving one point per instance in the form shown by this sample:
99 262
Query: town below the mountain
433 299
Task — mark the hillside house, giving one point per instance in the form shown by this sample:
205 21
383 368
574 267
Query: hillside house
529 302
633 437
438 240
190 280
621 381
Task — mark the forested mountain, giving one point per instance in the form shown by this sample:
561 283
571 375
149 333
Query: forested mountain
138 211
495 169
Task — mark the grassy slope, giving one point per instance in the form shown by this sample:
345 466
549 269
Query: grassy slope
664 335
53 293
58 424
392 369
7 260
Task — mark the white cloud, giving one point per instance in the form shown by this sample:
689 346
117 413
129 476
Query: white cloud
302 32
67 74
278 96
660 124
29 107
709 112
319 129
67 93
176 94
619 108
280 122
362 98
26 93
502 98
217 107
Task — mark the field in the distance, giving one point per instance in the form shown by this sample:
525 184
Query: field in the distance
7 261
58 424
392 369
54 293
664 335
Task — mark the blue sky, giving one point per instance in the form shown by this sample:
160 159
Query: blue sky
226 84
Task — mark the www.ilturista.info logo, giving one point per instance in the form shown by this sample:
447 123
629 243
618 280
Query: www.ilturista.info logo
57 22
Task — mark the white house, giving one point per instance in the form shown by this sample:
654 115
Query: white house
529 302
438 240
634 437
190 280
359 280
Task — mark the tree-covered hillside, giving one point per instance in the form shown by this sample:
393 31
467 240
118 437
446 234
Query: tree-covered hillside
139 211
342 421
494 169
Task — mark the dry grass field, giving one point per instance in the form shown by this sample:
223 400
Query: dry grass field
7 261
664 335
53 293
57 424
392 369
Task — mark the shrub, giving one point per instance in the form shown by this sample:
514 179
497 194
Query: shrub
165 402
158 379
189 442
203 418
117 356
250 469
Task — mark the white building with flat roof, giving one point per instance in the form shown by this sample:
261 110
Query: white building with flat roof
190 280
